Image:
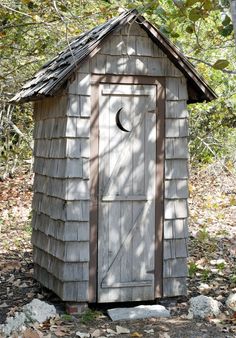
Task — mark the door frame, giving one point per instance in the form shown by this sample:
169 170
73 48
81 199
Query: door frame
97 79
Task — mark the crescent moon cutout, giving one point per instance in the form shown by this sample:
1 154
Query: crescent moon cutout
119 125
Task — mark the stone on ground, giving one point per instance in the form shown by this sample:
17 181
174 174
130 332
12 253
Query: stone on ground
231 301
203 307
122 330
13 324
39 311
138 312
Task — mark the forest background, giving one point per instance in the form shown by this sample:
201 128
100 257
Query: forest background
33 32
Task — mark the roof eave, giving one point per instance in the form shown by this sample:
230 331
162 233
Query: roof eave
198 89
205 93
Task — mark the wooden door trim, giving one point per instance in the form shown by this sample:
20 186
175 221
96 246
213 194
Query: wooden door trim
159 203
94 167
94 176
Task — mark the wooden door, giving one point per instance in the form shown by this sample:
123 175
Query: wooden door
126 195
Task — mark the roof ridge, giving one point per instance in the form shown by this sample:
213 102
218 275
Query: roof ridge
55 72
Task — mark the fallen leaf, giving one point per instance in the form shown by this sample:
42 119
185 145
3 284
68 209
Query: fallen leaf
111 332
82 334
3 305
136 334
121 330
29 333
96 333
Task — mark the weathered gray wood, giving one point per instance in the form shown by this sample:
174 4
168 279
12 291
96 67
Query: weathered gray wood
61 230
175 248
171 70
123 45
136 65
71 127
50 128
76 291
50 186
176 148
157 52
74 168
132 28
85 148
180 228
57 148
68 291
156 66
59 168
51 206
144 46
175 189
86 168
176 228
65 251
73 106
51 108
77 211
84 67
181 248
125 221
38 166
64 271
173 287
175 268
176 127
105 47
176 89
81 85
73 147
83 128
176 109
115 65
67 189
76 189
85 106
176 209
175 169
98 64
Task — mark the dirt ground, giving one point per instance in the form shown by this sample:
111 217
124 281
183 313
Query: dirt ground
212 266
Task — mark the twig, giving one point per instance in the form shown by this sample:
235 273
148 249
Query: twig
232 72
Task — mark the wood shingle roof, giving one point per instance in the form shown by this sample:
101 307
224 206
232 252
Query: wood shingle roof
54 74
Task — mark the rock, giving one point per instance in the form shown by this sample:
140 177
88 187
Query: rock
204 288
138 312
203 306
122 330
231 301
39 311
13 324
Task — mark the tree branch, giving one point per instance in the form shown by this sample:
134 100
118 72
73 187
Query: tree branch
232 72
14 10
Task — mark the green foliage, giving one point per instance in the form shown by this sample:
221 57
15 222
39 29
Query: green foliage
192 269
205 275
89 316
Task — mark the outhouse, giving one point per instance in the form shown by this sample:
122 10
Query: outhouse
111 164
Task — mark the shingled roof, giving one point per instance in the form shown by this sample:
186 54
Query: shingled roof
53 75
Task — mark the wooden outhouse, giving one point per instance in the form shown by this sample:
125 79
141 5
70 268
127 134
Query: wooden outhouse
111 164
